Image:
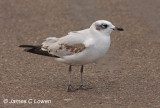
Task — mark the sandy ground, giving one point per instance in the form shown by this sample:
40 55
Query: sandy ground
127 77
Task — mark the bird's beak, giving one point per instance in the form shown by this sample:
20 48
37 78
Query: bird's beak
118 28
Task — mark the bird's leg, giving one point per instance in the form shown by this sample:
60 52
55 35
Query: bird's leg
70 88
81 75
82 87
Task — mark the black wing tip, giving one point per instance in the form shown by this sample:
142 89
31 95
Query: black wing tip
37 50
29 46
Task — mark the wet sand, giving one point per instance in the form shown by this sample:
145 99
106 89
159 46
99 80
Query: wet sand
127 77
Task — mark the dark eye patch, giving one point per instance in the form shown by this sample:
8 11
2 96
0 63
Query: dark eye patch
104 25
101 27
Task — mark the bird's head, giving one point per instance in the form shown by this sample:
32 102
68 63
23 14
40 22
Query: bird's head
105 27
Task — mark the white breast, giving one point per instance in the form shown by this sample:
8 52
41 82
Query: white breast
99 49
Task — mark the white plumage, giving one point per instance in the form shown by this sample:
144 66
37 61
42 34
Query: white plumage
96 44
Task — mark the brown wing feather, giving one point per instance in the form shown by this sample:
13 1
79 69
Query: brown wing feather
73 49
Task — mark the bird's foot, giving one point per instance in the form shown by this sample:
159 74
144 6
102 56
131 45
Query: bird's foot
71 89
82 87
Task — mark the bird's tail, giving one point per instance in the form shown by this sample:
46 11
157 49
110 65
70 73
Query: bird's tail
35 50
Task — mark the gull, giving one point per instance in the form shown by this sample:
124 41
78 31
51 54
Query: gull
78 47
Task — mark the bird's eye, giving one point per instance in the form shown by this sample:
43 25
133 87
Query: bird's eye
104 25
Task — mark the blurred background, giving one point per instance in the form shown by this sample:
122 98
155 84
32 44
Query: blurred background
127 77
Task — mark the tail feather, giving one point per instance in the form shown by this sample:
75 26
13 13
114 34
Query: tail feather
48 42
37 50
